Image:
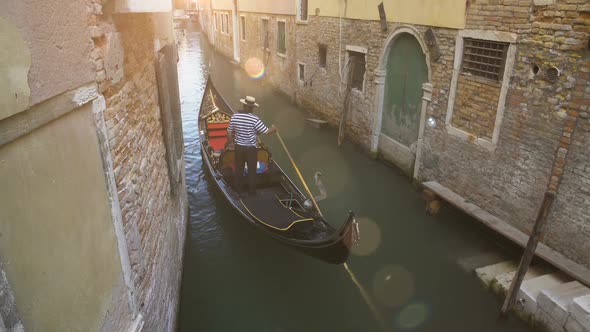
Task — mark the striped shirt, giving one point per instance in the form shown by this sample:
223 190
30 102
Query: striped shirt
246 127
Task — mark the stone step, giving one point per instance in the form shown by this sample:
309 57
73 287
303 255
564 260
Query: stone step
531 288
488 273
556 302
470 263
580 311
501 283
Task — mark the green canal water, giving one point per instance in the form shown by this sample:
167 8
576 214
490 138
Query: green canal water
237 279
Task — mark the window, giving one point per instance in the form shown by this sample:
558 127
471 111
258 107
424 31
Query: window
281 40
243 27
356 61
302 10
301 74
225 23
264 35
323 55
484 58
222 23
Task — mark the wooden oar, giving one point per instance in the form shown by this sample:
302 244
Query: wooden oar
299 174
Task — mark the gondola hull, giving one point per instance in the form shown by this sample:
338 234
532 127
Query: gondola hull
277 210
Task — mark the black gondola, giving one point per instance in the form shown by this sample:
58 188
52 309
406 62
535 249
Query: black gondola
279 208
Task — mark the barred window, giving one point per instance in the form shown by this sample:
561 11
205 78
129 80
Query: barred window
243 27
484 58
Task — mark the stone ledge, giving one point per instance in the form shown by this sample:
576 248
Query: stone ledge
530 290
555 258
557 301
580 310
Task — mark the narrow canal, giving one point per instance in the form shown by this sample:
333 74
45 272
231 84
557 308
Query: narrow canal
236 279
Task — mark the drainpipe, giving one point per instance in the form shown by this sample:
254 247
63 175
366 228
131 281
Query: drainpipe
426 99
379 91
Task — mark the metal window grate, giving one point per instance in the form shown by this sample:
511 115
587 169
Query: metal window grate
484 58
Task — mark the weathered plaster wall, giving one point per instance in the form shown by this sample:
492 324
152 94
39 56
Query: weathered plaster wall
439 13
222 4
15 62
281 7
61 262
59 43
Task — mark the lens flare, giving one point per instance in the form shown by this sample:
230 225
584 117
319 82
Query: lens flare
412 316
255 68
431 122
370 238
393 285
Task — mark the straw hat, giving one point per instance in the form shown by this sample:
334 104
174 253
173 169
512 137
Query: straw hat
250 101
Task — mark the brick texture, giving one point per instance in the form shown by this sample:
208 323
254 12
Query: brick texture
475 106
152 215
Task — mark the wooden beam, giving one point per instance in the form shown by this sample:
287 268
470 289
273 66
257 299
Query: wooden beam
575 270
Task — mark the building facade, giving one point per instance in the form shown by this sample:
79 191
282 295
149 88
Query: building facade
93 206
489 98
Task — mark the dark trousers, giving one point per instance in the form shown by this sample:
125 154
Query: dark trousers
246 154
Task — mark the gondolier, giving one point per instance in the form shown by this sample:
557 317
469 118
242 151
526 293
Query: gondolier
244 128
278 208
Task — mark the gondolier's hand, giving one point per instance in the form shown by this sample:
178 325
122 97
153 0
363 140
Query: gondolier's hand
273 129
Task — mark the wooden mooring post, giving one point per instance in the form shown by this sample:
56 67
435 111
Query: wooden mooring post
529 252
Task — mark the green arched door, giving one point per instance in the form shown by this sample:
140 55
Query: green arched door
406 72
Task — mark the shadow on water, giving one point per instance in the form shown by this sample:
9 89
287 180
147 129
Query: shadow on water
236 279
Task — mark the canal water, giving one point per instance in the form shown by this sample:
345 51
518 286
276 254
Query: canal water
409 263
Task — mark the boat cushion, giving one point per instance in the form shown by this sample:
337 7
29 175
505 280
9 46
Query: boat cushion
217 143
266 208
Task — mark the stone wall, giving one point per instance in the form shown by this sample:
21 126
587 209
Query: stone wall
153 214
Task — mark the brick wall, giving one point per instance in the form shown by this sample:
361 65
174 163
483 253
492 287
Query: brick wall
510 181
153 216
324 92
476 104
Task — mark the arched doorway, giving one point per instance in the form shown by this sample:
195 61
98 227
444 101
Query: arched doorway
403 70
406 72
